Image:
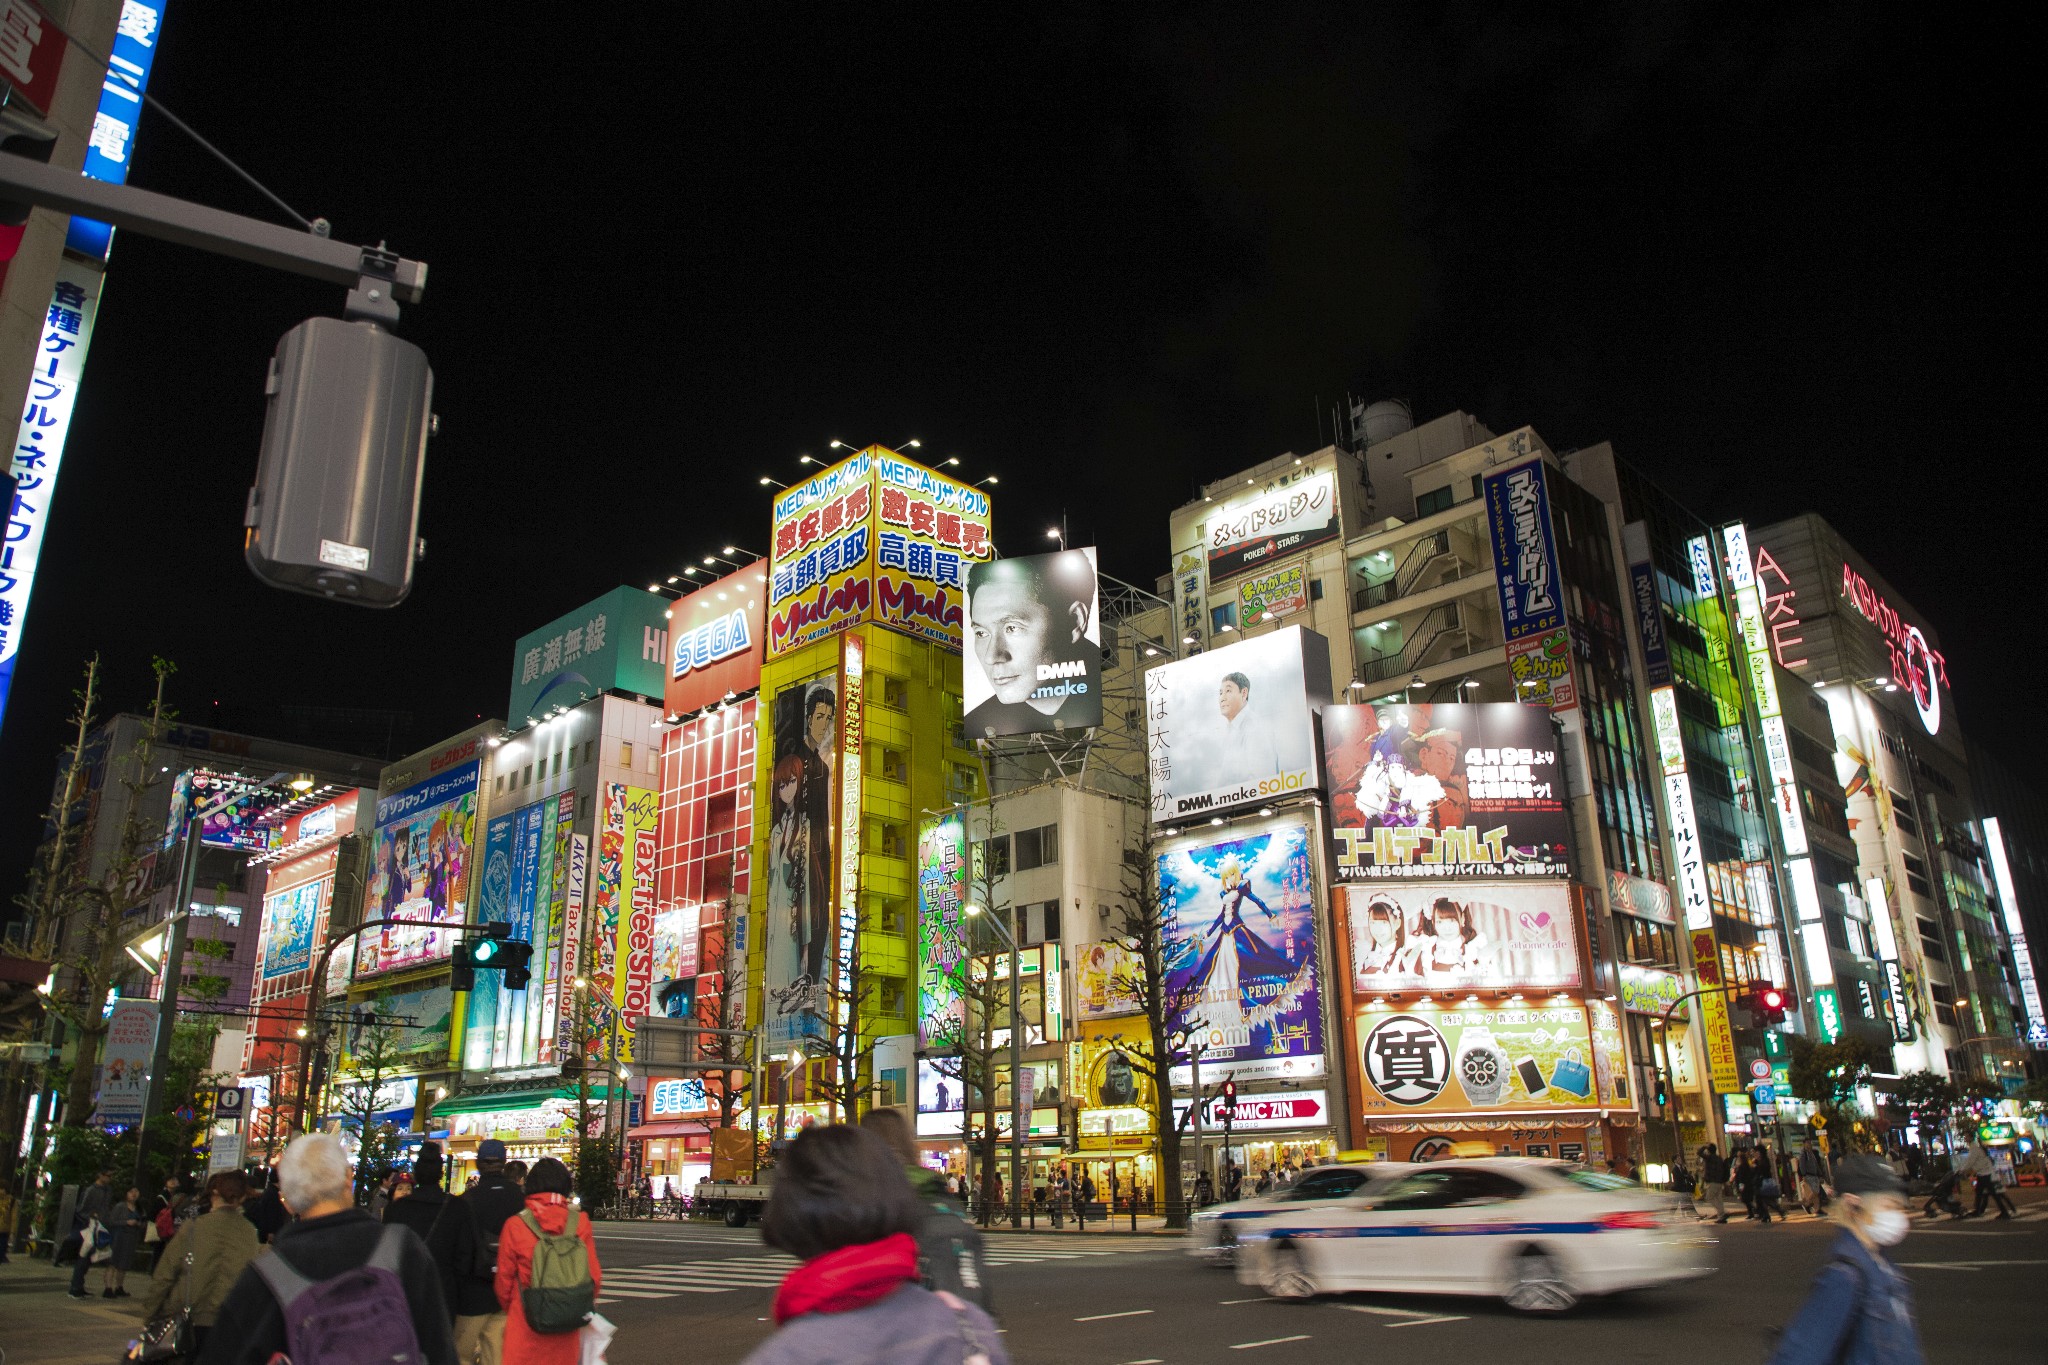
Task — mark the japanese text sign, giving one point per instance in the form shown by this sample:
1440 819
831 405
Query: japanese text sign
619 643
715 641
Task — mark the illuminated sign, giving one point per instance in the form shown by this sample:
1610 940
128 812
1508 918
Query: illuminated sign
672 1098
1763 685
1813 938
1235 726
111 145
1646 990
1670 740
1830 1011
706 644
1741 574
618 643
2015 931
66 333
1915 663
941 944
1260 527
1697 905
852 735
1251 1113
1778 611
1805 890
1701 558
1531 588
1706 967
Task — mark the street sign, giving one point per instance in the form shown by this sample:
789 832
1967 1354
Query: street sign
1287 1109
1759 1069
225 1154
230 1102
1766 1097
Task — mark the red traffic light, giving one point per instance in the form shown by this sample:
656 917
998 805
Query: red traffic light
1773 998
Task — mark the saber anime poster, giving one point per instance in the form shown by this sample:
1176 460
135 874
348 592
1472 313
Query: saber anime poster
1239 940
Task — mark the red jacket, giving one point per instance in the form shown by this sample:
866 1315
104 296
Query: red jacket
523 1345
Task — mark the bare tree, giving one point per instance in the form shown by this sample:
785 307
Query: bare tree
376 1048
1170 1009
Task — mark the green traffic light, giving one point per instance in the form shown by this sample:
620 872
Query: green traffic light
484 952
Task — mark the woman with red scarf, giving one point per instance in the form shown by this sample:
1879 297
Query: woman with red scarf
547 1199
843 1205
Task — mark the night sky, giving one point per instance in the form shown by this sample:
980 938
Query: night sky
1104 252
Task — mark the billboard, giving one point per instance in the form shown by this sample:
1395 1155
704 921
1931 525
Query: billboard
1460 789
1459 1061
1232 727
874 538
125 1055
1271 596
1103 973
1462 935
291 918
1531 589
619 643
620 928
419 870
419 1035
715 641
941 943
1034 661
675 959
1238 945
524 881
803 813
1258 528
111 147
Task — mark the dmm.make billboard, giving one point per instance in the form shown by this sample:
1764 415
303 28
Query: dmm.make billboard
1232 727
419 870
941 943
1034 659
1459 789
1238 943
525 885
874 538
619 643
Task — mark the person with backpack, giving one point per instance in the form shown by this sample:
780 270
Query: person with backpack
842 1206
445 1226
950 1250
203 1259
89 1222
1861 1309
1813 1178
494 1199
338 1287
548 1275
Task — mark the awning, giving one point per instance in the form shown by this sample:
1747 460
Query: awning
488 1102
671 1129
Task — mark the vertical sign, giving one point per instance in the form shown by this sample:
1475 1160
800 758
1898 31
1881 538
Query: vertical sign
2015 932
1763 685
111 145
1643 600
633 962
1698 910
66 332
124 1061
852 718
572 940
941 898
1531 590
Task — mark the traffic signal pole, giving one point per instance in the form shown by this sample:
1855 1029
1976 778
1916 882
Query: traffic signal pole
1664 1063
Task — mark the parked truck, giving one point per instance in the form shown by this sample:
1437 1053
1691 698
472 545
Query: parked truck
736 1202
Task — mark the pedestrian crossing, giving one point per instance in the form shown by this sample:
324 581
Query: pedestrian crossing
765 1270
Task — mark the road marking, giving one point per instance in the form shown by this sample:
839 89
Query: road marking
1148 1360
1260 1299
1424 1322
1127 1313
1274 1341
1383 1312
1963 1265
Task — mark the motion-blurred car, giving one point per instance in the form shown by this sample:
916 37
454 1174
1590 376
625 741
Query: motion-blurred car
1542 1235
1213 1232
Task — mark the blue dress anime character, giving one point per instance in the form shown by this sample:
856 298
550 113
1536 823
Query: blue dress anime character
1240 986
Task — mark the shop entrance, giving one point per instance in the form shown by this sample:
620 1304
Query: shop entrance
1119 1178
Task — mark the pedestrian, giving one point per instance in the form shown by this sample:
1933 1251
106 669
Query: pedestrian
1746 1179
1714 1181
950 1253
1623 1166
447 1228
841 1205
1062 1197
398 1314
266 1210
1813 1178
515 1171
1087 1198
380 1194
1979 1167
125 1221
1768 1193
1205 1191
1914 1159
204 1258
547 1212
89 1218
1681 1176
1861 1309
166 1211
492 1201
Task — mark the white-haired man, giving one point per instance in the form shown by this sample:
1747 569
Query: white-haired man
328 1236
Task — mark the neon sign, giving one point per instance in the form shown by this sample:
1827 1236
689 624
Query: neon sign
1778 612
1915 663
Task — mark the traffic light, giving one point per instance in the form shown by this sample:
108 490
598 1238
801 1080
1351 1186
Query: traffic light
461 977
1662 1098
1771 1004
518 962
495 953
1230 1097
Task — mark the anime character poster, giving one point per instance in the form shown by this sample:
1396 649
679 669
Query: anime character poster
1460 789
1239 941
802 809
1433 935
419 870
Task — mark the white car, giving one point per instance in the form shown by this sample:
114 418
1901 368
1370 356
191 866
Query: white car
1213 1233
1540 1234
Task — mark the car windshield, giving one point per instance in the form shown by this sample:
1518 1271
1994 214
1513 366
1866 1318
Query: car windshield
1598 1180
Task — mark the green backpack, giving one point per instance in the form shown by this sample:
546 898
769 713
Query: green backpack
561 1297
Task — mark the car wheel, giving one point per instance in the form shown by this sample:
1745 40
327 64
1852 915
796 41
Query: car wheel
1287 1274
1536 1285
735 1216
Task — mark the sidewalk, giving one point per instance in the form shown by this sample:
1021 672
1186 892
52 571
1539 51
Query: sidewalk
39 1323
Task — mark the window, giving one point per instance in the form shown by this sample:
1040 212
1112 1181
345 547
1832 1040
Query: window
894 766
895 694
558 763
996 854
1315 590
526 776
625 753
1052 923
589 750
1223 617
889 916
1332 1183
1435 500
501 783
891 996
893 841
1038 847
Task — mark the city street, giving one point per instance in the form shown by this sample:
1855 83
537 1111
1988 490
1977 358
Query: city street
1114 1298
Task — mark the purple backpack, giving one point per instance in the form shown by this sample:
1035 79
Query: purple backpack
359 1317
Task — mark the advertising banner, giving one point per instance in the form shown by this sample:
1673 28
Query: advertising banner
290 918
941 893
1191 600
624 812
1706 966
1458 789
1103 976
822 559
1648 990
574 961
1258 1113
1460 1061
1034 662
1638 896
928 530
520 887
124 1062
416 1026
715 643
676 931
1274 595
803 817
419 870
1644 604
1238 943
1610 1060
1232 727
1531 588
1256 529
617 643
1462 935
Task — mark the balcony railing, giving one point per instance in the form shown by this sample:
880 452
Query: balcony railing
1407 575
1439 622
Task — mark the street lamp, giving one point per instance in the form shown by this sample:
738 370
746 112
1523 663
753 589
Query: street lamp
1016 1064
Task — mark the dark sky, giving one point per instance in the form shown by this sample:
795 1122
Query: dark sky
1107 252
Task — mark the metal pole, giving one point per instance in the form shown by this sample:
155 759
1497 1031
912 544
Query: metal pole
1195 1075
754 1102
172 979
1016 1075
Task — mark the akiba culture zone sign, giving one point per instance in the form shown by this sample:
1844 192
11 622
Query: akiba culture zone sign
1916 665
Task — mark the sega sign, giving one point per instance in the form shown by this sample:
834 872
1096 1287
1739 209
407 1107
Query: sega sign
669 1099
715 641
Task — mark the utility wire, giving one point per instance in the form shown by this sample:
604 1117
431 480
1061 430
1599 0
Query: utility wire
317 227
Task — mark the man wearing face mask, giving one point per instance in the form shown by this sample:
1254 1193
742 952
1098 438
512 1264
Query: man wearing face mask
1861 1309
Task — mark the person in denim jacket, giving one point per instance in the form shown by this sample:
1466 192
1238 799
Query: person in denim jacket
1861 1309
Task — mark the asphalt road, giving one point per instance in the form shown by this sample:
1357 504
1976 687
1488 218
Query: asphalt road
1107 1299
